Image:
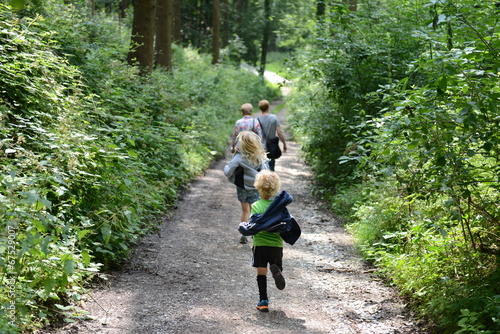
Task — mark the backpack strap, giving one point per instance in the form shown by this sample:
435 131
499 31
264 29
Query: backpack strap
262 128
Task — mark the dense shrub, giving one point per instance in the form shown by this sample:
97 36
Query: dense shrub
409 155
91 152
338 79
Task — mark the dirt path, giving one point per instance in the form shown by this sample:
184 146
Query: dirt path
194 276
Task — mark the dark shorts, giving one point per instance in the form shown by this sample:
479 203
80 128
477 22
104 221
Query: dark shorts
264 255
247 196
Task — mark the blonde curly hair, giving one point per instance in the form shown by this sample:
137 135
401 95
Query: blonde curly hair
268 183
251 147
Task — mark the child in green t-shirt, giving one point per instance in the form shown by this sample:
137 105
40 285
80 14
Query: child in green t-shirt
267 247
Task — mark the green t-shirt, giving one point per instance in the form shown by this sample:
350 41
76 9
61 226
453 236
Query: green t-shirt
264 238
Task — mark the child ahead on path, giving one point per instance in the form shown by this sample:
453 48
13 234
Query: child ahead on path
268 246
270 125
247 122
242 169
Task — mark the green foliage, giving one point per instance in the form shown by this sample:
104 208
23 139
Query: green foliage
294 23
91 152
343 70
399 116
417 243
45 260
279 63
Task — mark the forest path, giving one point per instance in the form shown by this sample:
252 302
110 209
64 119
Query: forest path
194 277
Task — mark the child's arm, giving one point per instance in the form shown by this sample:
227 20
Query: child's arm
231 167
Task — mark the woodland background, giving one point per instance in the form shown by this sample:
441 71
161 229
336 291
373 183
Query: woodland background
109 108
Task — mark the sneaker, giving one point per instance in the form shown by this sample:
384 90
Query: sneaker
278 277
243 240
263 306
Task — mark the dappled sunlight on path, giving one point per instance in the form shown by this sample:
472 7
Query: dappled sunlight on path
194 277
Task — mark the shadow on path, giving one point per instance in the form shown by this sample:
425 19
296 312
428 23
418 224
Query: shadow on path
194 277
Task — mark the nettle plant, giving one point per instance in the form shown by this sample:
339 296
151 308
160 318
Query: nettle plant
442 137
439 143
42 144
84 169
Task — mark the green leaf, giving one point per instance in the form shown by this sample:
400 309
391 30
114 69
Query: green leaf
83 233
64 308
40 227
69 266
493 106
18 4
49 284
33 197
85 257
44 246
441 161
106 232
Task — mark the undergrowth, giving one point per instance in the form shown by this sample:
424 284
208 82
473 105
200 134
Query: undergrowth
91 152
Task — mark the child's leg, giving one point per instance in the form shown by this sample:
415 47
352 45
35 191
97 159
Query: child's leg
245 214
245 211
276 266
278 276
262 285
272 164
259 262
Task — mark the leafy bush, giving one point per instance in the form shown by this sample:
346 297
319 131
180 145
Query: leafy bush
426 254
91 153
45 260
412 116
340 76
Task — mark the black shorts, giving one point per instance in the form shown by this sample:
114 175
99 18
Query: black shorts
264 255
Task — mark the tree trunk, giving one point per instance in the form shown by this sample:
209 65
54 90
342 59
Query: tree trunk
320 10
353 5
142 40
164 34
241 9
225 23
122 7
265 36
215 31
177 22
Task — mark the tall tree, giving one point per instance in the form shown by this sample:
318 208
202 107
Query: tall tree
122 7
353 5
320 10
225 23
164 34
215 31
177 21
142 39
265 36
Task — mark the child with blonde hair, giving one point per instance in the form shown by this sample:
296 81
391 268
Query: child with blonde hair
270 224
247 122
267 246
248 160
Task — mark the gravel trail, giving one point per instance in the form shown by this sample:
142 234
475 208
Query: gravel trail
194 277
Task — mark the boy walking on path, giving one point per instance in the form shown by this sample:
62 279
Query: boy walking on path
246 123
270 224
270 126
